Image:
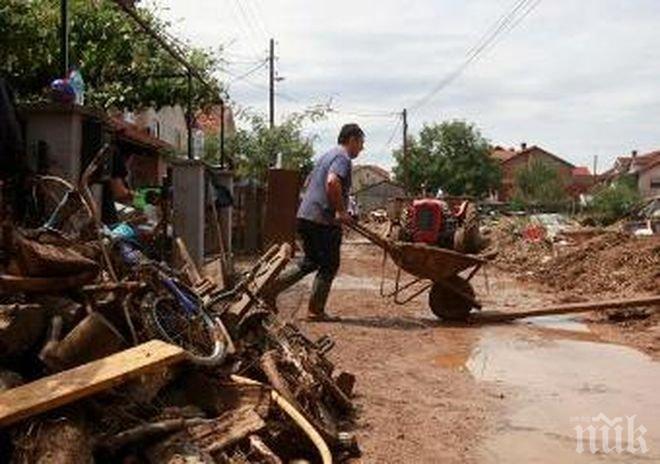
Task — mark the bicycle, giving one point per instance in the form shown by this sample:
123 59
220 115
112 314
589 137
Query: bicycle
165 307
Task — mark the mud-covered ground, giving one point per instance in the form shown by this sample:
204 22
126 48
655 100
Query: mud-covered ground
430 392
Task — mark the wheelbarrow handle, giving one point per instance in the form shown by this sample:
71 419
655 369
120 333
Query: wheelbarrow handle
370 235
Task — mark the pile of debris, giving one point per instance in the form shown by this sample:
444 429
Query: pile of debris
612 262
582 260
109 356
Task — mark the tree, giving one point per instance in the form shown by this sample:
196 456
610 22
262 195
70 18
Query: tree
122 67
452 156
539 184
612 202
256 147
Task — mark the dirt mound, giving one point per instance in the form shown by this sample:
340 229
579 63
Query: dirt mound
611 263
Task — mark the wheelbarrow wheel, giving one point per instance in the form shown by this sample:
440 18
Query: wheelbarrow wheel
449 304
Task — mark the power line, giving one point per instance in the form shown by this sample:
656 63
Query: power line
256 14
248 73
520 19
248 21
504 24
242 25
395 131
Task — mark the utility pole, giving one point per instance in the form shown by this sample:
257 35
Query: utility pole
271 60
222 134
189 117
64 38
405 147
595 171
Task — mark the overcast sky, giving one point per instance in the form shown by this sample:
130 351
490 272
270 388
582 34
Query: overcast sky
579 78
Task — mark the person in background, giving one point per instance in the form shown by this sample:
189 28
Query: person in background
116 189
323 210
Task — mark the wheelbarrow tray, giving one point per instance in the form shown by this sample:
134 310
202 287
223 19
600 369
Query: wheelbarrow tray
429 262
422 260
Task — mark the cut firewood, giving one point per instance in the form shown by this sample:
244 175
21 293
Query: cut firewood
259 448
147 431
68 386
63 439
178 450
21 327
227 429
216 396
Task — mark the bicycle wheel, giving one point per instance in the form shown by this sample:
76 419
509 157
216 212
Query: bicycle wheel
195 331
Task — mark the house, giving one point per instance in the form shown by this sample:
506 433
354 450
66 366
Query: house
645 169
576 179
364 175
148 165
208 125
377 195
167 124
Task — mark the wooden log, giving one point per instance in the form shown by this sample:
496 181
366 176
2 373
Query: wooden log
177 449
216 396
227 429
571 308
259 448
21 328
61 439
147 431
68 386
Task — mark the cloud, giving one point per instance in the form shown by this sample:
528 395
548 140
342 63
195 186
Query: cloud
579 78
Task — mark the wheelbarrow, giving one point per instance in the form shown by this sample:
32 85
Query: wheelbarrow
451 296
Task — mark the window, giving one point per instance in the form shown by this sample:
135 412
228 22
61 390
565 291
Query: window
655 183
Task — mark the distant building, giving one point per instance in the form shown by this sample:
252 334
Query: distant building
645 169
376 196
365 175
167 124
576 179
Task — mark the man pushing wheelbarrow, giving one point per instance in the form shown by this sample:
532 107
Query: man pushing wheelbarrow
322 212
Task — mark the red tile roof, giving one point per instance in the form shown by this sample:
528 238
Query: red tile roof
502 154
581 171
132 133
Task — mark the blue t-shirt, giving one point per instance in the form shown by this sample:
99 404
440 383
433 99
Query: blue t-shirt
315 205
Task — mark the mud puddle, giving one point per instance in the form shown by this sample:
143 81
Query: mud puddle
554 376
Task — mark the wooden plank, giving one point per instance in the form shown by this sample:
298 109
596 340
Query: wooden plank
271 270
572 308
68 386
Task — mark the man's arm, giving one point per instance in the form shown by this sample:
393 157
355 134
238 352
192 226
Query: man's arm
333 189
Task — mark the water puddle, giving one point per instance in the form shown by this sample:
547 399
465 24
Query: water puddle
553 385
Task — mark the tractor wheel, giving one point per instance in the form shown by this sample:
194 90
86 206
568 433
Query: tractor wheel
450 305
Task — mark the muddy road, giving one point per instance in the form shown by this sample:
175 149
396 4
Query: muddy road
430 392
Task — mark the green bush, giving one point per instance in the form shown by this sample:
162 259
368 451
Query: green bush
613 202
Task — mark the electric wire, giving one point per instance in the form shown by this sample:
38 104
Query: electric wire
503 25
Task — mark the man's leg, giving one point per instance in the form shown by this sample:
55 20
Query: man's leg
330 257
302 266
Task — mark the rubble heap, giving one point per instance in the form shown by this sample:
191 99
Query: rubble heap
582 261
109 356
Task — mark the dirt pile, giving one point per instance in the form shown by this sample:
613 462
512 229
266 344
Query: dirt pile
611 263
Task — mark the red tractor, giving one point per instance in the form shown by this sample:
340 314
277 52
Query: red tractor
435 222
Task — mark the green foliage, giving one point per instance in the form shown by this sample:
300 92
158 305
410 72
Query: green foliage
453 156
255 148
612 202
539 185
119 63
